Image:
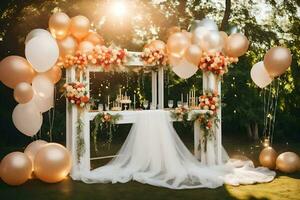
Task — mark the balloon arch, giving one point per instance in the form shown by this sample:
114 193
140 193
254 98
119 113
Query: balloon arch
72 46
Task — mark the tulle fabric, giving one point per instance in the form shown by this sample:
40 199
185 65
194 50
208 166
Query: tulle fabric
154 154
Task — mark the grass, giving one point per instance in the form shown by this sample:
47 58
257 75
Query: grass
284 187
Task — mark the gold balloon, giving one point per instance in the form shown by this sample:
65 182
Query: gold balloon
86 47
177 44
193 54
52 163
94 38
80 26
67 46
267 157
277 60
188 34
172 30
14 70
59 24
288 162
33 148
54 74
16 168
236 45
23 92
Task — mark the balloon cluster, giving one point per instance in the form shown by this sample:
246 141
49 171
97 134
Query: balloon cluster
276 61
205 47
50 162
287 162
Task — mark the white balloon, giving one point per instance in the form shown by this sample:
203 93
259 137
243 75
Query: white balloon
209 24
43 86
212 42
259 75
37 32
184 69
43 104
198 34
27 118
42 52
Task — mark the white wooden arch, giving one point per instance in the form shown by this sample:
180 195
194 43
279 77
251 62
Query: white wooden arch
82 164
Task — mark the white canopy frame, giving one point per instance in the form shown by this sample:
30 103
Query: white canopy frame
82 164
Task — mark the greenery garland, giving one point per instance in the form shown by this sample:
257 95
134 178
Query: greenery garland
79 139
106 121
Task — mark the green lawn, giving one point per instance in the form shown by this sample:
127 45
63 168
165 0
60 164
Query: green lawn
285 186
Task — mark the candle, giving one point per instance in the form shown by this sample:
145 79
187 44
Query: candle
120 92
181 98
108 102
187 99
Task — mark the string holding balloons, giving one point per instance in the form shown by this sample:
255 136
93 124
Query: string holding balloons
205 48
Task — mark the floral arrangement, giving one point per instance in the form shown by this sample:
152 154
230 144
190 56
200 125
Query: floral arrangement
102 56
209 101
216 63
180 114
104 121
152 56
76 94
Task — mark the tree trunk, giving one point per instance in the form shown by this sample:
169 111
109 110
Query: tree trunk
226 16
255 131
249 130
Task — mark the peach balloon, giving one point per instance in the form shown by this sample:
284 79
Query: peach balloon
23 92
59 24
172 30
288 162
54 74
86 47
94 38
52 163
16 168
177 44
277 60
33 148
223 35
236 45
259 75
67 46
267 157
193 54
14 70
80 26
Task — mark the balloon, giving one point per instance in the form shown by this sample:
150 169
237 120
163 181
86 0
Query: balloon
288 162
189 35
67 46
14 70
211 41
94 38
193 54
33 148
54 74
16 168
267 157
43 104
42 52
80 26
277 60
172 30
198 35
52 163
27 118
35 33
158 45
224 36
23 92
86 47
184 69
43 86
209 24
59 24
177 44
195 24
236 45
259 75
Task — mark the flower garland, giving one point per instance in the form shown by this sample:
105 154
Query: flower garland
103 121
105 57
76 94
156 57
180 114
216 63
